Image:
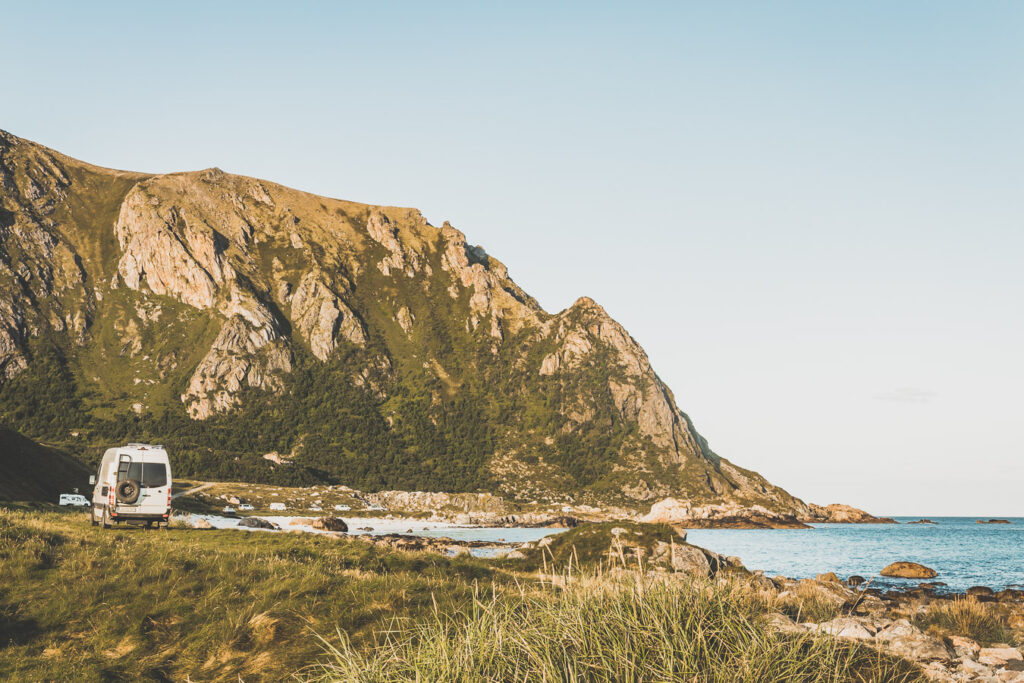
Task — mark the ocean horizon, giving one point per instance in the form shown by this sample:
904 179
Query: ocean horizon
963 552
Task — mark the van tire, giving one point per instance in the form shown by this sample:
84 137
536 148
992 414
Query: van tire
106 519
127 491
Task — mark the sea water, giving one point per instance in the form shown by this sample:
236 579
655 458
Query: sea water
963 552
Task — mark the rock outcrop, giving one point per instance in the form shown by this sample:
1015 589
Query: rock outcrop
841 514
321 316
686 515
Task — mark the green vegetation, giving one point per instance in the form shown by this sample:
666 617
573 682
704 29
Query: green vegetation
810 601
967 616
421 437
82 603
587 545
608 629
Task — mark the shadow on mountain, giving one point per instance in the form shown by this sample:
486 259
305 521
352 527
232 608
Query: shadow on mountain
32 471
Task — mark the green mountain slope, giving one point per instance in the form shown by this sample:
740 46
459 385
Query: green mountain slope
229 317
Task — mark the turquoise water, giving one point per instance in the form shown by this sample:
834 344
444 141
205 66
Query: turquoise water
963 552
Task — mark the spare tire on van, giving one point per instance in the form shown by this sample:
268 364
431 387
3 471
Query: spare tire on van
127 491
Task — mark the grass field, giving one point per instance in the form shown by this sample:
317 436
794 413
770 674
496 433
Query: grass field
81 603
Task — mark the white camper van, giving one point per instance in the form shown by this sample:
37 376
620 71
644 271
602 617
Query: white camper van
133 485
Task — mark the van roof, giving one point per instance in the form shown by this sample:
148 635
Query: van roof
137 450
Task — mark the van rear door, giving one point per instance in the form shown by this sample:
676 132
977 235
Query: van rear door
155 480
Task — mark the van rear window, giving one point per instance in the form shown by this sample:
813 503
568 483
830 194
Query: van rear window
148 474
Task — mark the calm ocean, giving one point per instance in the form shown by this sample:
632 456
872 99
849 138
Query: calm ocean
963 552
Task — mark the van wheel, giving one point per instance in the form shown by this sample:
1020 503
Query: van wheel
106 519
149 525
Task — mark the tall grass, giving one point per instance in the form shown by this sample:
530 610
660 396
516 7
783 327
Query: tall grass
807 602
604 629
969 617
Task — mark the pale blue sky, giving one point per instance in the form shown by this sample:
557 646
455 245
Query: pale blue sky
810 214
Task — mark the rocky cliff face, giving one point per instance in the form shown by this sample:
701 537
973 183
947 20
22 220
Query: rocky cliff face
362 340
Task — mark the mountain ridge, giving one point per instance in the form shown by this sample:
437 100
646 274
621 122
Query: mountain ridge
216 304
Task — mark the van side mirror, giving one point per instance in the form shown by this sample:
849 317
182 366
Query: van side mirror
92 480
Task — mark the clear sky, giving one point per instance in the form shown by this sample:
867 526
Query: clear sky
810 214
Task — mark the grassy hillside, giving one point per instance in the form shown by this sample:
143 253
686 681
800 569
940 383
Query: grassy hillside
32 471
185 604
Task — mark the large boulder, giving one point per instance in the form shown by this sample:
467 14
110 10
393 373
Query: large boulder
846 627
1000 656
330 524
906 640
257 523
690 559
201 524
909 570
964 647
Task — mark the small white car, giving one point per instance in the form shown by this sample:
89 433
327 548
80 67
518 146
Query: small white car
74 499
342 508
277 506
228 509
246 507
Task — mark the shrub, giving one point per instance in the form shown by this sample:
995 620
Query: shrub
967 617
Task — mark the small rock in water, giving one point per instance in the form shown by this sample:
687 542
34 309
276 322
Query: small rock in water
855 580
256 523
909 570
330 524
978 591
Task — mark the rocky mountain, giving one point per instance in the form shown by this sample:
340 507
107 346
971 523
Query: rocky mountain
230 317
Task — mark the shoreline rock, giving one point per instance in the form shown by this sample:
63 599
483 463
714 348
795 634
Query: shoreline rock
908 570
837 513
683 514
